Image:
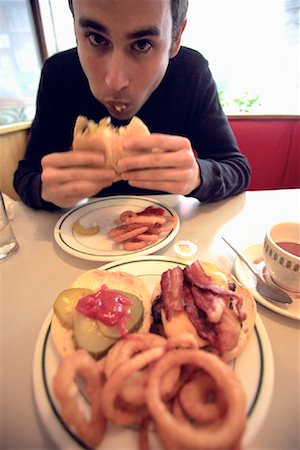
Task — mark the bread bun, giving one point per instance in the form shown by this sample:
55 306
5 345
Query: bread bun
104 137
63 337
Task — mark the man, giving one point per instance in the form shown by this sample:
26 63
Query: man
129 62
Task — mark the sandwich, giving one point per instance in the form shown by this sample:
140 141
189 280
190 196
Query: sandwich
207 302
97 310
104 137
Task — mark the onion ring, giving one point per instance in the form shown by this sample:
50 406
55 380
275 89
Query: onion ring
184 340
109 396
199 399
133 390
143 434
125 349
229 429
80 362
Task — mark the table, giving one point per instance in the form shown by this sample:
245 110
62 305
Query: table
31 280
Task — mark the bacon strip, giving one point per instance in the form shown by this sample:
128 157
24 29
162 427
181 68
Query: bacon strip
145 219
172 291
196 275
213 305
130 234
151 211
207 305
203 328
141 229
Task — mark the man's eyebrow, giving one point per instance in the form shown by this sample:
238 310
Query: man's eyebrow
151 31
89 23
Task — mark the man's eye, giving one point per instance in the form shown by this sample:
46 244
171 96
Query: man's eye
142 45
96 39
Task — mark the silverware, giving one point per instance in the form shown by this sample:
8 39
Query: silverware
269 291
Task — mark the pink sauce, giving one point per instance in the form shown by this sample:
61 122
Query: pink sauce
109 307
151 211
290 247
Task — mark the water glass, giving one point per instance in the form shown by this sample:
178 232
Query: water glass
8 242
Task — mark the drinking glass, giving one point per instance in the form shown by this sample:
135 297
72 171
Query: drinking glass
8 242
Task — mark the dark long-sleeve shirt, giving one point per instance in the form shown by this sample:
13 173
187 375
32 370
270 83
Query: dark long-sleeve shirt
185 103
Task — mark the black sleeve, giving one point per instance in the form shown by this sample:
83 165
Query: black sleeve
50 132
224 169
186 104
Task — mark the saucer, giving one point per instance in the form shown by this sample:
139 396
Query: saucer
255 255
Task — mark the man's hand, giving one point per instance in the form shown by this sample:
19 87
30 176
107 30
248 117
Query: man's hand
162 162
69 177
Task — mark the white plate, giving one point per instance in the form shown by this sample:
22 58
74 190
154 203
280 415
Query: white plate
104 212
255 255
254 368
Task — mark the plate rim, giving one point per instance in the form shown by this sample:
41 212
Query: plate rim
263 390
238 269
152 248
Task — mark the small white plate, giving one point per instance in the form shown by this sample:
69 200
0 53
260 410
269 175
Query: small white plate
254 367
105 212
255 256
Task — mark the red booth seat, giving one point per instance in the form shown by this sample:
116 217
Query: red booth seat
272 146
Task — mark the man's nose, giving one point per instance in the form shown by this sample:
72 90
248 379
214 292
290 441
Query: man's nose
117 72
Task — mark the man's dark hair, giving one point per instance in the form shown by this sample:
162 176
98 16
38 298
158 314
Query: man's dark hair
179 10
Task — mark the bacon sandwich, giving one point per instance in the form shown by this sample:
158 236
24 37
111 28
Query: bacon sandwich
104 137
207 302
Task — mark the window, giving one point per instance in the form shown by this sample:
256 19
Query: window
253 50
252 46
57 24
20 62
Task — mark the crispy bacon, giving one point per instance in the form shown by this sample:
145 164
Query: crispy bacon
196 275
203 328
141 229
214 311
172 291
213 305
227 332
151 211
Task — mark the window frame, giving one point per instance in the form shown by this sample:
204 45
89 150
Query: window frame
44 53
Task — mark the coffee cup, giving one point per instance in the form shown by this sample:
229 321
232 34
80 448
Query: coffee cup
281 253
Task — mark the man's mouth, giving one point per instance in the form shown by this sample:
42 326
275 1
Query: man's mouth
117 107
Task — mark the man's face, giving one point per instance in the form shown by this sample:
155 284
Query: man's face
124 48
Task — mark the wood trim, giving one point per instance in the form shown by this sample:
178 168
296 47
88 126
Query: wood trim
12 128
37 19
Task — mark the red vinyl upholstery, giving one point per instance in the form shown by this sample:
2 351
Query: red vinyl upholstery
272 146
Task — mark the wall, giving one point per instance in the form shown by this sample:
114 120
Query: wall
272 146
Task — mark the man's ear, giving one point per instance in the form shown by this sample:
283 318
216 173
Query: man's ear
177 40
